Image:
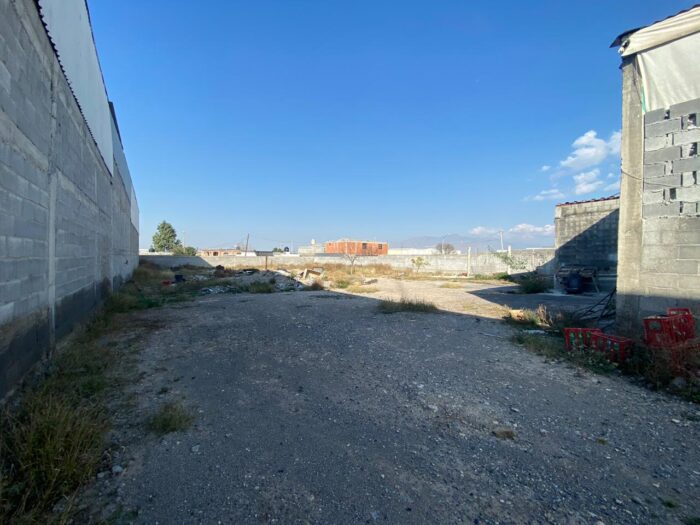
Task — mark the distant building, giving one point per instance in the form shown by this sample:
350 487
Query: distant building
217 252
354 247
313 249
586 233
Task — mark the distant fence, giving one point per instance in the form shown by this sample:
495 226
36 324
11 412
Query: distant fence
540 260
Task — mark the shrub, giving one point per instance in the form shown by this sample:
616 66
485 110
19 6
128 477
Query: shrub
534 283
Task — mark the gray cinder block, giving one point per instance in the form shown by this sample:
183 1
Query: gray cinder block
655 116
685 165
666 209
663 127
662 155
685 108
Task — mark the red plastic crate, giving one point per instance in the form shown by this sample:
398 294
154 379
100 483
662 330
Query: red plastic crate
579 338
683 321
664 331
615 348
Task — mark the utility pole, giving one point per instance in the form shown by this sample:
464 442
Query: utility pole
501 234
246 243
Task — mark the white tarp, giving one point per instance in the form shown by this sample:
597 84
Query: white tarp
663 32
670 73
68 25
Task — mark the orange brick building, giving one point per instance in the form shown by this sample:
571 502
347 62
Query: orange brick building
352 247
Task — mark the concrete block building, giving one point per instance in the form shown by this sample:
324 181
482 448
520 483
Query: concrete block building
586 234
659 229
68 210
353 247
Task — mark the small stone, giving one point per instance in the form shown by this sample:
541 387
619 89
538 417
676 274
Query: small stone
101 475
195 449
117 469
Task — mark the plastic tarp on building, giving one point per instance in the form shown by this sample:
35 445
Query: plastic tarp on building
68 25
667 55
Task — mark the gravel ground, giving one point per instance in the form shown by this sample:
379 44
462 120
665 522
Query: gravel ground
311 407
485 299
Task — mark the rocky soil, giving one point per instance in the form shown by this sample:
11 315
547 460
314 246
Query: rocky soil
312 407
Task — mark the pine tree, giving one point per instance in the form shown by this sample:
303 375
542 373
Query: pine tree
165 239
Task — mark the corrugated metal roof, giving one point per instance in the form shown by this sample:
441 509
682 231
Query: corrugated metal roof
610 198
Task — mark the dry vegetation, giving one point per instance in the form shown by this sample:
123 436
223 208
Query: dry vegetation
52 436
171 417
406 305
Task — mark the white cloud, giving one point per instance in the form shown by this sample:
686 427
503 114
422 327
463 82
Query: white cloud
587 182
614 142
530 229
590 150
547 195
545 168
615 186
481 231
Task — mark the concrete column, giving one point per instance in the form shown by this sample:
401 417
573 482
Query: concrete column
630 225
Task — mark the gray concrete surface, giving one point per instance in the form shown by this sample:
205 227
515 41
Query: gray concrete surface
311 407
68 227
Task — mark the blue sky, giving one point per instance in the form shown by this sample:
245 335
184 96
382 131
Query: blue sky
292 120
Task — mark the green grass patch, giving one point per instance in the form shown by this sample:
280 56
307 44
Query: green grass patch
171 417
406 305
533 283
554 347
52 443
499 276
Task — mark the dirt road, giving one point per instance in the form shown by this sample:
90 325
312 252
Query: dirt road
312 407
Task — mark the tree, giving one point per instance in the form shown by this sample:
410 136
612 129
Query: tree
419 263
445 248
165 239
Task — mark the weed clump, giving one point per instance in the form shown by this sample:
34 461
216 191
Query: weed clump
260 287
533 283
172 417
53 442
406 305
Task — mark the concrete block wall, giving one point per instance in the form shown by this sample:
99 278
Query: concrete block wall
586 233
66 230
540 260
659 248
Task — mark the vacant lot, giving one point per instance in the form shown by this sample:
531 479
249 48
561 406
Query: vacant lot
313 407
